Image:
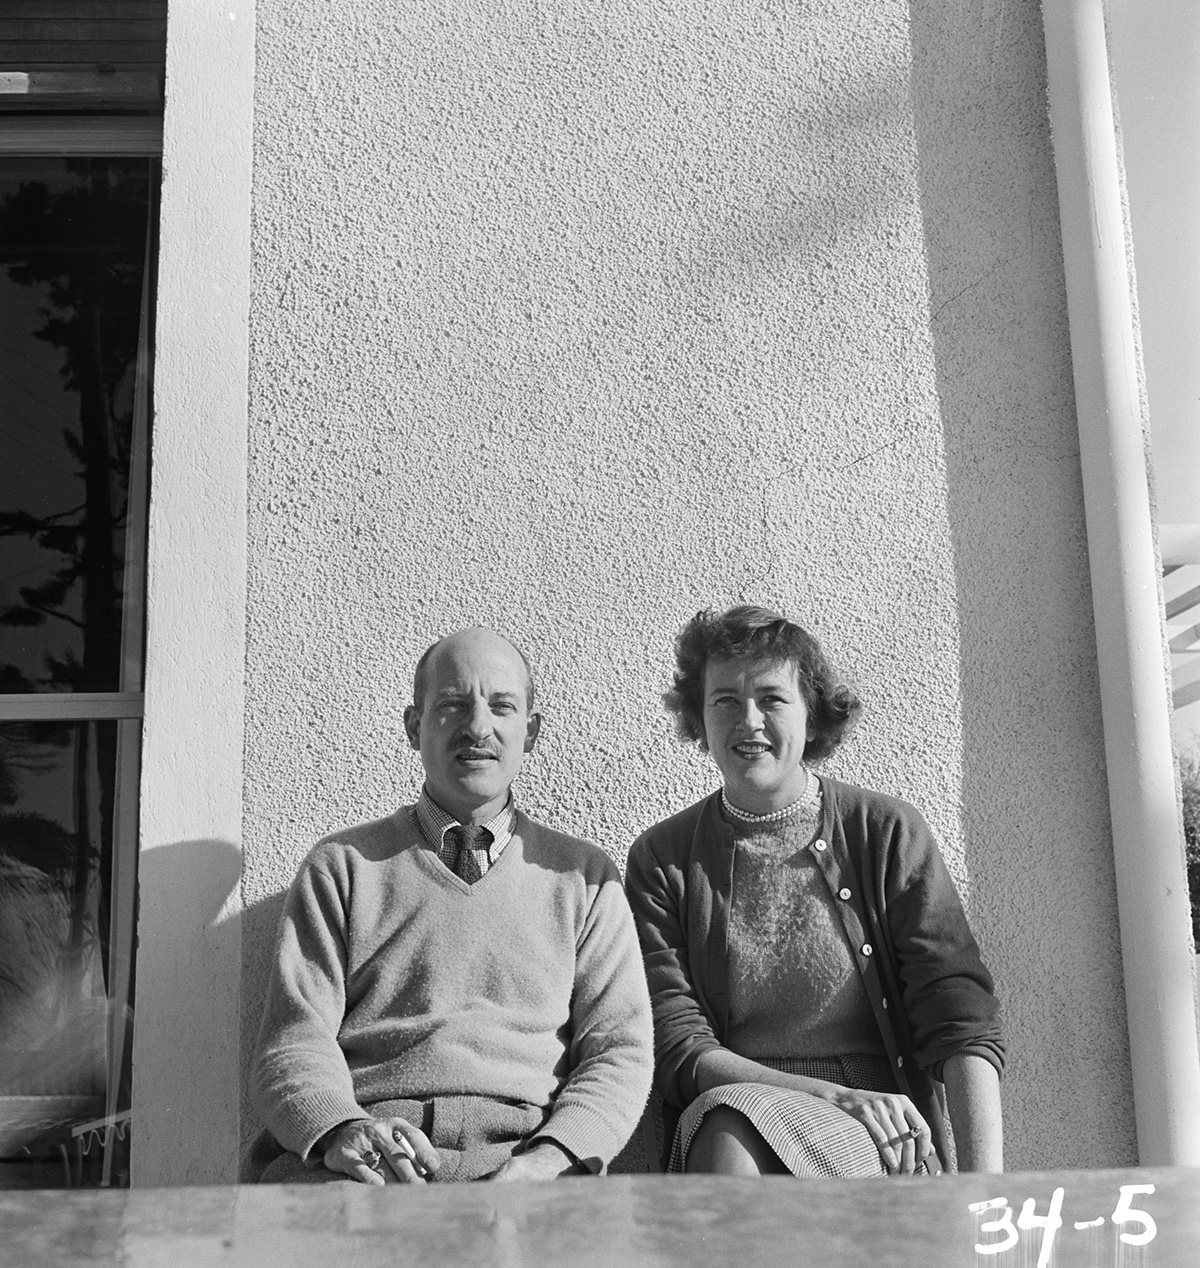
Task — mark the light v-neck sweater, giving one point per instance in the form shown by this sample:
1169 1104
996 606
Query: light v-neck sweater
394 979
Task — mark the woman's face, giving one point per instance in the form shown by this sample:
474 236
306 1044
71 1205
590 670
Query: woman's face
756 726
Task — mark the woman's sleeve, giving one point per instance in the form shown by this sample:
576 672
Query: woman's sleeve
683 1030
948 993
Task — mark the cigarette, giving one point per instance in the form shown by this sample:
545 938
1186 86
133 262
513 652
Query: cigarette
409 1152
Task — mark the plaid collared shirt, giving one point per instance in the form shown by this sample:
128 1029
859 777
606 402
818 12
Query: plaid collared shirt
434 823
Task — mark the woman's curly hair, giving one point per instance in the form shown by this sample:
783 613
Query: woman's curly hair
759 634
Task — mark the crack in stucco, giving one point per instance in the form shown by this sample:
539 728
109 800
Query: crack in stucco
979 281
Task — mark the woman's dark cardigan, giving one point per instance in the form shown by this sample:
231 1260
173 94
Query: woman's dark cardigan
930 993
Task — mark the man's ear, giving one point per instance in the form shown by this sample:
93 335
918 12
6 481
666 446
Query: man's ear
532 728
412 726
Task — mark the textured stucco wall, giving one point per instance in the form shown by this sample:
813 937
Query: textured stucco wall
572 319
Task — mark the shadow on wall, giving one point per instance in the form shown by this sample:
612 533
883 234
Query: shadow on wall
208 870
188 962
221 946
259 925
1035 810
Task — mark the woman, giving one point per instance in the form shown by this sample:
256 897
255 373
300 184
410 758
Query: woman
814 980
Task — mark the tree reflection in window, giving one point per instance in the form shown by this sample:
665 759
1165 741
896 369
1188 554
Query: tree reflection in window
78 242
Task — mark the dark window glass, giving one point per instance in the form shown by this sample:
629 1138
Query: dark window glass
74 285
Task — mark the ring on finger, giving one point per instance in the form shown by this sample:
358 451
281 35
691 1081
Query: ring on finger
372 1158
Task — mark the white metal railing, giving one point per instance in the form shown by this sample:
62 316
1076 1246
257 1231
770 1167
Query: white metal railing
1181 593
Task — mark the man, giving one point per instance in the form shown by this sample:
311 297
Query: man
458 990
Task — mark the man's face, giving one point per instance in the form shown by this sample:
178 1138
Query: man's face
474 726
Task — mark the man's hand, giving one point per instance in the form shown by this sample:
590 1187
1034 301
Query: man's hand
380 1151
900 1133
547 1160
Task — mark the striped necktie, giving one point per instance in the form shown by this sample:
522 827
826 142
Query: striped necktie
471 861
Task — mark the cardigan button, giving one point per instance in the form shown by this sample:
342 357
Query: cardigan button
867 948
899 1061
843 894
819 845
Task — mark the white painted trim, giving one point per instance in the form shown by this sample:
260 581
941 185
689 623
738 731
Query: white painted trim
113 136
1152 892
187 1017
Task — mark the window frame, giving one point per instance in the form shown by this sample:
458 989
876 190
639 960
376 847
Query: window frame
68 136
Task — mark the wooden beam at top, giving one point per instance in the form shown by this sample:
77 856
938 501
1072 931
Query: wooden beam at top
83 10
76 30
133 136
31 53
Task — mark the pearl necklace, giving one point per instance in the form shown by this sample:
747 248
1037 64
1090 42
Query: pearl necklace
774 816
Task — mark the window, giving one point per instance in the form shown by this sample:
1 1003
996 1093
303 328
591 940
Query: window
77 253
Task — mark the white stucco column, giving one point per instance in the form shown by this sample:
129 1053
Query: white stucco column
186 1023
1147 833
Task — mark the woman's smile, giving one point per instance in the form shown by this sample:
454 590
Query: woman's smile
756 728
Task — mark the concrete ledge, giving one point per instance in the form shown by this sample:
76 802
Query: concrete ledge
629 1220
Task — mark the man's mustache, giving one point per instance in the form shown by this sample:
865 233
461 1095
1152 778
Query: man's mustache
478 749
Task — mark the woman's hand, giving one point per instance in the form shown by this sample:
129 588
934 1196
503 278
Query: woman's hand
900 1133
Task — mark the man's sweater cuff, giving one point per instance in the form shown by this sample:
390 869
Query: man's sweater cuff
586 1135
307 1118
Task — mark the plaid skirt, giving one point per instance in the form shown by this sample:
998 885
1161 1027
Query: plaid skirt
810 1136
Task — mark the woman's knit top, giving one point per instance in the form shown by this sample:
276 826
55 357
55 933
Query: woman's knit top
794 990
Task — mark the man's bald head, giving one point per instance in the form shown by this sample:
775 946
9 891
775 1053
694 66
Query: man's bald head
473 635
471 723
